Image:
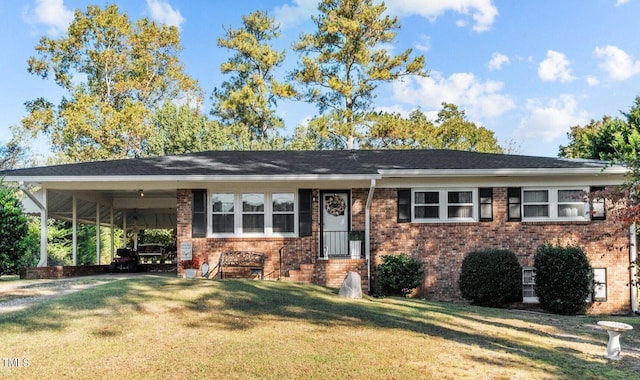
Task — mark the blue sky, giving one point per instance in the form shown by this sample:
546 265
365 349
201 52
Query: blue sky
527 70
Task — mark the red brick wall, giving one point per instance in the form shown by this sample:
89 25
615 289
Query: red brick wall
441 247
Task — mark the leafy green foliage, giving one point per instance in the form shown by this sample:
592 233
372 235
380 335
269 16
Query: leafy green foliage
398 275
13 231
491 277
451 130
343 63
246 102
564 278
114 73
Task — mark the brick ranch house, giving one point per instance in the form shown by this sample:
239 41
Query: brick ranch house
318 214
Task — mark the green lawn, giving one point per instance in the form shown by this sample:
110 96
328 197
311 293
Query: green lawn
159 327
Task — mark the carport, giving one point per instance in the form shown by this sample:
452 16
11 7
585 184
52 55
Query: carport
126 209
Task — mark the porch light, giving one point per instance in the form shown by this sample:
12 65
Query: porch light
141 193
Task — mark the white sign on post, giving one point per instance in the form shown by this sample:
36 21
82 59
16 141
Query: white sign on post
186 250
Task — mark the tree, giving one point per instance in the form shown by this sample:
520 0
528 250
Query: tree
344 62
451 130
617 141
182 129
11 155
13 232
454 131
115 74
246 102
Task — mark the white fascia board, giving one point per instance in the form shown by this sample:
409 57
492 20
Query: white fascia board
400 173
192 178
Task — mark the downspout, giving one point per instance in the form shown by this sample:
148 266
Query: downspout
367 232
633 271
43 221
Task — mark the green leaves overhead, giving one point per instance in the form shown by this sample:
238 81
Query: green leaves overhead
246 102
344 62
115 74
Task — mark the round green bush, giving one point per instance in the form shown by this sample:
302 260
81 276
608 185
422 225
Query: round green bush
564 278
398 275
491 277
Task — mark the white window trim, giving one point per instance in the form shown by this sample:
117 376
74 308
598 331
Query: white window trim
237 215
553 205
443 205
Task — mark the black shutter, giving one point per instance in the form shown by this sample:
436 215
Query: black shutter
598 206
514 203
404 205
486 204
305 207
199 214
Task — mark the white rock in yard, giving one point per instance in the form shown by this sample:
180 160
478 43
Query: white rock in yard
351 286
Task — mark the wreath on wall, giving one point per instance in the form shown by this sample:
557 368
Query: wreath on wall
334 204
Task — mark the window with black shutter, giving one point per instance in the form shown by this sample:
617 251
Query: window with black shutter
305 207
199 214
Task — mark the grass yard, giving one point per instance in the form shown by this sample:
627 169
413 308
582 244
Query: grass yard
151 327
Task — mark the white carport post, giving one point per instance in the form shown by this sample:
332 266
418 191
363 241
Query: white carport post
97 233
113 236
124 229
74 229
44 217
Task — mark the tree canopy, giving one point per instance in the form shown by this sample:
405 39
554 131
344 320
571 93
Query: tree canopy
13 232
616 140
344 62
114 74
246 102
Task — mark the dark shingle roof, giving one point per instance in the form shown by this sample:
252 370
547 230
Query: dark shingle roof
336 162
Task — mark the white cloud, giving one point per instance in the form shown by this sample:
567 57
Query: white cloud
555 68
592 81
50 13
620 2
617 63
483 12
497 61
550 121
292 15
478 99
164 13
424 44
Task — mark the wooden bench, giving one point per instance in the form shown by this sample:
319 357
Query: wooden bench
237 264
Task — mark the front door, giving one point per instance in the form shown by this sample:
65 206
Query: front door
335 223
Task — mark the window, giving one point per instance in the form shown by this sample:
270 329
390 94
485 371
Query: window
253 213
427 205
528 284
444 205
551 204
404 205
600 284
283 212
223 220
535 203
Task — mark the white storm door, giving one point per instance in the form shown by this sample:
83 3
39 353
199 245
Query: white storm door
335 224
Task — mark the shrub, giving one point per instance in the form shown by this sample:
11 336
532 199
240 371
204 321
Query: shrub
564 278
398 275
13 230
491 277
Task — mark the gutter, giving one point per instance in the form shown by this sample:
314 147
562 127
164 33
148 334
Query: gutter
367 231
633 271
